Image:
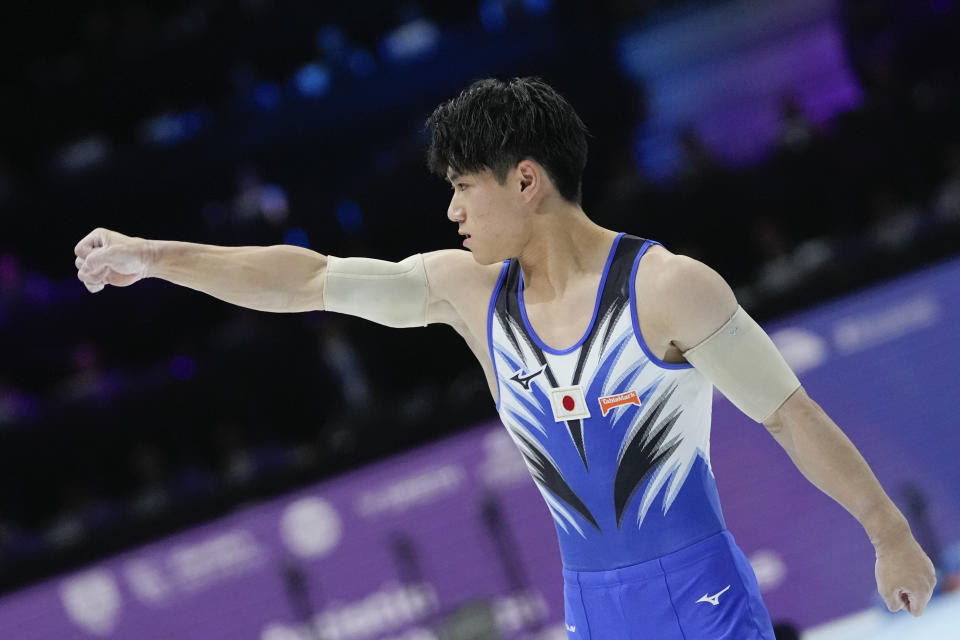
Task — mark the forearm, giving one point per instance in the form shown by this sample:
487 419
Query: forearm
280 278
827 458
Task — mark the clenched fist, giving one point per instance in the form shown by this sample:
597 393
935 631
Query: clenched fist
107 257
905 575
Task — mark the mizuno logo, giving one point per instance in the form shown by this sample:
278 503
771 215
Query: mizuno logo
714 599
525 380
571 629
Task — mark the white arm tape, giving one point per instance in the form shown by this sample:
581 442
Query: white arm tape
741 360
389 293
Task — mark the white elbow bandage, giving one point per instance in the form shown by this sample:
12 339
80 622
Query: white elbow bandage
741 360
389 293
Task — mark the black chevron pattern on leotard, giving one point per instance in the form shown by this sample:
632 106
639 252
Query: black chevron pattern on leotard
648 447
548 476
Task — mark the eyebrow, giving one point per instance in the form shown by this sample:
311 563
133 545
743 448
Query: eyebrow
453 177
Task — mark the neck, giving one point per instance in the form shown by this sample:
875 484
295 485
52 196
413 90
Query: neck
565 247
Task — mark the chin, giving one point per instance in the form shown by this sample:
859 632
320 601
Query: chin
487 259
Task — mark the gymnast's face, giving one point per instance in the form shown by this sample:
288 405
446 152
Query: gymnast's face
492 214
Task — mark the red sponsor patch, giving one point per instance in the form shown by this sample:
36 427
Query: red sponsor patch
608 403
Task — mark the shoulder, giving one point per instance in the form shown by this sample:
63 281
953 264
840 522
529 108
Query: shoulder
450 270
458 286
688 299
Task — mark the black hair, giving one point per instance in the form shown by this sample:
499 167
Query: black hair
494 125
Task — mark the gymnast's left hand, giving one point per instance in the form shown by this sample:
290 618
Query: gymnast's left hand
905 575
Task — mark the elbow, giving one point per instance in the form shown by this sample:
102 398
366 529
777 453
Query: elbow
797 404
774 423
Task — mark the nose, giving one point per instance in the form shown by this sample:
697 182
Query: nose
455 211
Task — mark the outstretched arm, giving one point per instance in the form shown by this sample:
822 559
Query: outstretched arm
697 304
446 287
439 287
279 278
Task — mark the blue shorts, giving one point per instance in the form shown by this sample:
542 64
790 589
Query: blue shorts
706 591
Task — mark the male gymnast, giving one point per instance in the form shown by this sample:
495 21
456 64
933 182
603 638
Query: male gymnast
601 351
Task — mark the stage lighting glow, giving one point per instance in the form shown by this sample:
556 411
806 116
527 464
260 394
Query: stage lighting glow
297 237
312 80
538 7
723 69
169 129
83 154
412 41
267 96
350 216
39 289
331 41
273 203
492 15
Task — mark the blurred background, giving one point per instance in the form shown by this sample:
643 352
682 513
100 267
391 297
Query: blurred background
175 467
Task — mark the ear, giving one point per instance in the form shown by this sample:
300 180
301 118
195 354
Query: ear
530 176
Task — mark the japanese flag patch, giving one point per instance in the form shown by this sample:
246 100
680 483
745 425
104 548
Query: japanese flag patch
568 403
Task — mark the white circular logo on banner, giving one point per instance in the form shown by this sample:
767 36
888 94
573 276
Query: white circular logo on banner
769 569
92 600
802 349
310 527
147 582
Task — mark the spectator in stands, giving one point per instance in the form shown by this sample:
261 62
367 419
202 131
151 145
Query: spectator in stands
796 130
10 279
15 405
946 203
16 542
82 512
778 272
896 221
257 201
88 382
242 463
151 495
340 356
237 464
697 161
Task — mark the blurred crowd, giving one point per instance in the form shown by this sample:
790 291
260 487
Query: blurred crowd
134 412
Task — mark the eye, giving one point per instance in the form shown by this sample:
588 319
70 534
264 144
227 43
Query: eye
461 186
